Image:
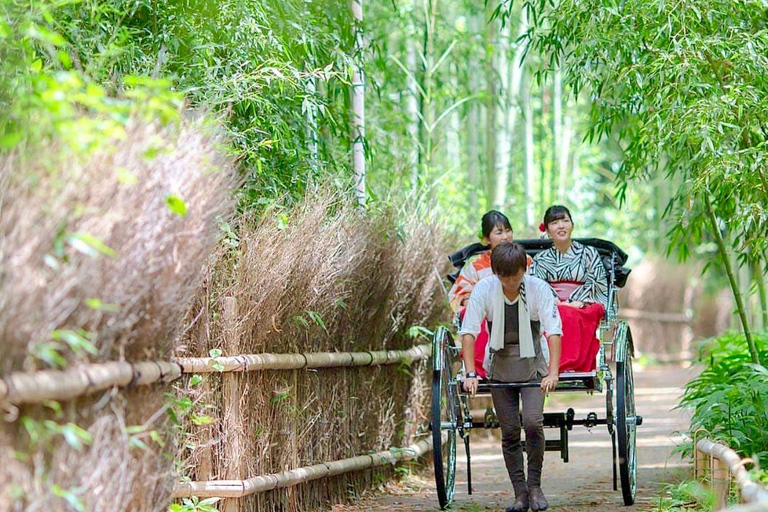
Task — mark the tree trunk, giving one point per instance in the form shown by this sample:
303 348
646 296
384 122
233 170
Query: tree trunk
358 105
413 101
473 122
557 128
530 167
453 129
490 106
512 76
563 136
500 131
428 86
312 136
565 150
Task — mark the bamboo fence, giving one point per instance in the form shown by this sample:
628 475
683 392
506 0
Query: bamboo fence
722 464
37 387
240 488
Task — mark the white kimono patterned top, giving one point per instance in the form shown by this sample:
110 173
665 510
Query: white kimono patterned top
581 263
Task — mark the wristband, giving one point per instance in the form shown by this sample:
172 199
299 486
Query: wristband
471 375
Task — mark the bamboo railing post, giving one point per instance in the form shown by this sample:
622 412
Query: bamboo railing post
701 464
231 394
206 432
701 460
727 464
720 481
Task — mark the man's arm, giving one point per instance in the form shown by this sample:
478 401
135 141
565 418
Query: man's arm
470 328
549 383
549 316
468 352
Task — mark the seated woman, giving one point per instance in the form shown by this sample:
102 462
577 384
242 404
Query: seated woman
576 273
495 229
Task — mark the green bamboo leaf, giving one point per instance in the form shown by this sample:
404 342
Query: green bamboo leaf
176 205
89 245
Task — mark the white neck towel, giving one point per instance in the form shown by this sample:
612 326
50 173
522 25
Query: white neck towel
524 321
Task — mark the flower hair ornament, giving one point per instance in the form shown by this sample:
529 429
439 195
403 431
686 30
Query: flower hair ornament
542 227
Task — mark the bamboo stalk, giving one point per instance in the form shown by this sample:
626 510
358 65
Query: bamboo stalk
740 307
751 492
37 387
262 483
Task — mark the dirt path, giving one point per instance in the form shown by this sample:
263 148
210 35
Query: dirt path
578 486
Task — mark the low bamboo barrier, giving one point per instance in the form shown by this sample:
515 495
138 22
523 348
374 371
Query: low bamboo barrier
37 387
723 465
240 488
257 362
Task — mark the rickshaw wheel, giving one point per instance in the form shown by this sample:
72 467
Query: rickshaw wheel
626 420
445 405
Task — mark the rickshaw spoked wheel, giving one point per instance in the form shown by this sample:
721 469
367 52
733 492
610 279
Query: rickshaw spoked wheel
626 418
445 409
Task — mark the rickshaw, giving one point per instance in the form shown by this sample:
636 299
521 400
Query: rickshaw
452 417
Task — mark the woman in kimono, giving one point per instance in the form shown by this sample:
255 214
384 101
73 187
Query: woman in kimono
495 229
576 273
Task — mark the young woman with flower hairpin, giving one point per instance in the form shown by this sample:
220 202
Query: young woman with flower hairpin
576 273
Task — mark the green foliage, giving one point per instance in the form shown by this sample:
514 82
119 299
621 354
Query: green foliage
683 86
262 67
195 504
71 496
62 341
43 433
214 354
138 433
728 398
176 205
687 496
46 92
419 331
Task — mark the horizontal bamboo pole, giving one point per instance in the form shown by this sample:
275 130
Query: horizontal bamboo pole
656 316
240 488
751 492
257 362
37 387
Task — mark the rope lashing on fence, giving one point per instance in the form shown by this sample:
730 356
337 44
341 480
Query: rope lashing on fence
37 387
240 488
751 492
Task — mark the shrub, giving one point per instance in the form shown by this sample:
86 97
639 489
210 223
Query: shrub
728 398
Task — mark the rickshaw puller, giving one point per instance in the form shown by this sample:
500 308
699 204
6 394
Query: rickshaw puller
517 305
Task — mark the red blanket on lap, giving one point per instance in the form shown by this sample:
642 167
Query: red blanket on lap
480 342
579 342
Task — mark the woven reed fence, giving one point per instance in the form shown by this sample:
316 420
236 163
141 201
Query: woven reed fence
315 304
39 387
721 467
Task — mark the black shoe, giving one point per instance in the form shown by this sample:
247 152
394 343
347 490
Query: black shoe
538 501
520 504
